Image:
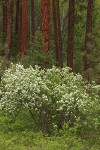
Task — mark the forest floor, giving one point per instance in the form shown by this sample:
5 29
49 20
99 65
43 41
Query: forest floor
32 141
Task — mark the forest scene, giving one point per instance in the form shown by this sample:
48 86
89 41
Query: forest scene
50 75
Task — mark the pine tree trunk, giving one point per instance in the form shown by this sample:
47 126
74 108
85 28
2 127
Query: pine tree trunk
4 9
32 18
54 9
59 35
17 25
24 36
70 47
45 23
20 27
17 16
57 32
9 29
88 35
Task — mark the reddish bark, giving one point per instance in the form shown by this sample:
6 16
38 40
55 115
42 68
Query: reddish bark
88 37
32 18
18 19
45 23
9 28
24 38
17 16
70 47
57 32
20 27
54 8
4 9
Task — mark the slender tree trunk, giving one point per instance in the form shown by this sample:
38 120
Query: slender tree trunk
24 38
20 27
32 18
57 32
4 9
54 9
70 47
59 35
88 37
17 25
17 16
9 29
45 23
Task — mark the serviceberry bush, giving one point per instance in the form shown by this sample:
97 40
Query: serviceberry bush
52 96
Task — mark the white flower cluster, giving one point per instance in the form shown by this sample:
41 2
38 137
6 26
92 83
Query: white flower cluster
54 91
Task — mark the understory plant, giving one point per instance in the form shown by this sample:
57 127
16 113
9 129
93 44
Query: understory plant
53 96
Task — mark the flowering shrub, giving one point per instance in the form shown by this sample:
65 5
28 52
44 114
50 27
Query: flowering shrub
52 96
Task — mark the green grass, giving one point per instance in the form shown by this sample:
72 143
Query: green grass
36 141
21 134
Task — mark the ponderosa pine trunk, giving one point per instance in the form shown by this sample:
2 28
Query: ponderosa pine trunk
32 18
88 35
57 32
17 16
59 35
4 10
10 5
18 24
20 27
24 26
70 48
45 23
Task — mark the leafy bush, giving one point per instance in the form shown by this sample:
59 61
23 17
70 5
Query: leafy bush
36 54
52 96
